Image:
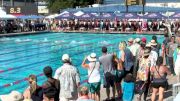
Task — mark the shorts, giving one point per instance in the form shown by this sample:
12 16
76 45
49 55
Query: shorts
158 84
119 75
109 80
94 87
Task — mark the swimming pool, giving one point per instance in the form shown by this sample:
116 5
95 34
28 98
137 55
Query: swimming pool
29 54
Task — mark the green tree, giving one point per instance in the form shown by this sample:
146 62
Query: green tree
56 5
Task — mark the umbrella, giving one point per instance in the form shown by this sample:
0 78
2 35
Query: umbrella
154 16
30 17
176 15
107 16
128 16
65 16
86 16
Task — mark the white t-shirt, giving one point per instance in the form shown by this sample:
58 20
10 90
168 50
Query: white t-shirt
153 58
95 75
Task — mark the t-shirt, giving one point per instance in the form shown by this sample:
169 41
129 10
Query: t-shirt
79 99
107 62
171 47
128 91
94 74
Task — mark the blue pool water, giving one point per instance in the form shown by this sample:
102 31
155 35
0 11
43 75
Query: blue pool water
29 54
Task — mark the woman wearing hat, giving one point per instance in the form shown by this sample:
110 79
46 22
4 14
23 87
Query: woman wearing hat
94 78
143 74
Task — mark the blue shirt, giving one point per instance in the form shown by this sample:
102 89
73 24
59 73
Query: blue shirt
128 91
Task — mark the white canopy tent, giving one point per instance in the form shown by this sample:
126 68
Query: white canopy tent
3 15
51 16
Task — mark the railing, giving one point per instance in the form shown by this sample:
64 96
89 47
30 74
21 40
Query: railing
176 89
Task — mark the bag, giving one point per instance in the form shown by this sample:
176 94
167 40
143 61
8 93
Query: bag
166 82
139 87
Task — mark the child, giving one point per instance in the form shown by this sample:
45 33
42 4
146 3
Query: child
128 88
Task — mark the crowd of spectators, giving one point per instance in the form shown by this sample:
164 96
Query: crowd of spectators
138 67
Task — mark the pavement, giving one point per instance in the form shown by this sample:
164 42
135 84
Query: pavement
167 94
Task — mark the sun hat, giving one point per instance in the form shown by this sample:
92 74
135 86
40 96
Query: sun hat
146 52
153 43
66 57
92 57
143 39
13 96
137 40
130 40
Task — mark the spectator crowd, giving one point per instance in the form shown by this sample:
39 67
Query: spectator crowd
138 68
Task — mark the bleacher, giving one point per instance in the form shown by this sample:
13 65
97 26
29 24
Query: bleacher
148 1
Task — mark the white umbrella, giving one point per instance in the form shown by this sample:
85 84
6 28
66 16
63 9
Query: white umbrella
51 16
79 13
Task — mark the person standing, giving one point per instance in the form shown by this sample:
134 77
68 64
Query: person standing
94 78
143 74
159 81
69 79
176 57
51 82
126 57
106 60
170 50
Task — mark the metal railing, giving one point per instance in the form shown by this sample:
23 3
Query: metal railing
176 89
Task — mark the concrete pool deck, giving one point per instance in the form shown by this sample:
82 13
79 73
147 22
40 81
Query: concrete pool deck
97 32
167 95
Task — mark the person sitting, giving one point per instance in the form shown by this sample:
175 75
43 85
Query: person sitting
83 94
34 91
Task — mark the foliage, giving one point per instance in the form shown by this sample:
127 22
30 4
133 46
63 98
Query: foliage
57 5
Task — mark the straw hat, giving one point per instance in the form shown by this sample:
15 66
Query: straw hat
146 52
13 96
92 57
153 43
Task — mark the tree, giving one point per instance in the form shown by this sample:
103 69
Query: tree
56 5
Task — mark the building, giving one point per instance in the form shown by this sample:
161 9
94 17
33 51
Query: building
158 3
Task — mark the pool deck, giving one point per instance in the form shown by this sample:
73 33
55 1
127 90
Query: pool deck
22 33
97 32
167 95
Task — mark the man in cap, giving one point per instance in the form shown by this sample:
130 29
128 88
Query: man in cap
69 80
106 60
171 46
51 82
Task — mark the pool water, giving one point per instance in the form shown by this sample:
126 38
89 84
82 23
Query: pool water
29 54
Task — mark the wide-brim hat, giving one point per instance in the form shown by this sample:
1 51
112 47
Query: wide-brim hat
13 96
146 52
92 57
153 43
